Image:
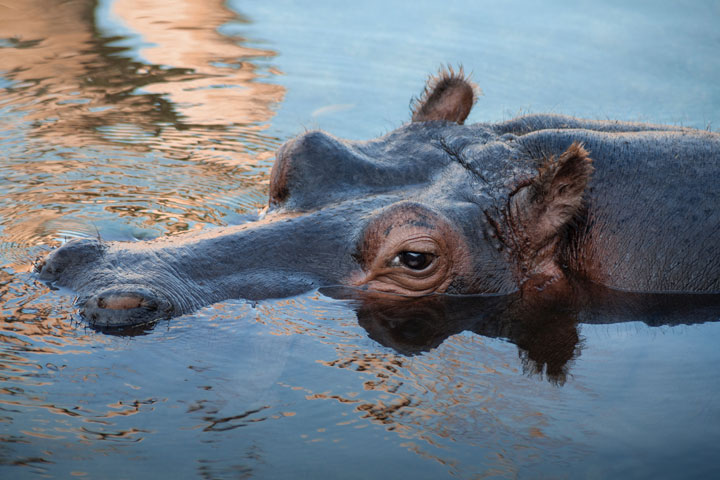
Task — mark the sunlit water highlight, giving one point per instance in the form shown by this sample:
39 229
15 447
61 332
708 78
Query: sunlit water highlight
131 119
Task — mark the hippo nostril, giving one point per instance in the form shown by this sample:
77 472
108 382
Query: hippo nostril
47 269
39 265
118 308
76 252
123 302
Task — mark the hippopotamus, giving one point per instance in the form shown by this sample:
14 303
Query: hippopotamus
526 207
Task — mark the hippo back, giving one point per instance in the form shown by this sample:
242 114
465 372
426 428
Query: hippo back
653 208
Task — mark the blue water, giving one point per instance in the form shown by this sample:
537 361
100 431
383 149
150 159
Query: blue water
130 120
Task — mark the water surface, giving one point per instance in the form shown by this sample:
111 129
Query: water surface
132 119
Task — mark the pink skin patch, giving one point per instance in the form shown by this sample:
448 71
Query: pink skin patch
120 302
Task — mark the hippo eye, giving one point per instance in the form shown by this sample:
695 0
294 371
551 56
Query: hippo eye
413 260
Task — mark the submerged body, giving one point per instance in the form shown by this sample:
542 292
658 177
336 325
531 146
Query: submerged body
435 206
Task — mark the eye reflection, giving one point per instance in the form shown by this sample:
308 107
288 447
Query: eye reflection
413 260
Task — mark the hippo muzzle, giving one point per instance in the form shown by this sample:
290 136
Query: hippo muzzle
120 306
121 284
80 265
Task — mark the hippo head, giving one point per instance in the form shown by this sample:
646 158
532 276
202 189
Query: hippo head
434 207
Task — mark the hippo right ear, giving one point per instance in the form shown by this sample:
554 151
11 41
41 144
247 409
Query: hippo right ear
447 96
539 211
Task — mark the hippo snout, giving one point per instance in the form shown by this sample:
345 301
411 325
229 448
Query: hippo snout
73 254
125 307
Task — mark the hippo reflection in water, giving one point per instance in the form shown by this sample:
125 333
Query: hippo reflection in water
527 207
546 333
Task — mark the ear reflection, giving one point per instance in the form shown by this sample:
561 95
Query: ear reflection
547 339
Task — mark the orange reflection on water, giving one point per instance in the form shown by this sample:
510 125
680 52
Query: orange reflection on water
184 33
72 82
174 139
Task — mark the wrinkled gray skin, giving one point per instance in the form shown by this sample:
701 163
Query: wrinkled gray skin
649 219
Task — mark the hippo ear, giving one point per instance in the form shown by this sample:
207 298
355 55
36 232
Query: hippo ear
447 96
540 210
553 197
